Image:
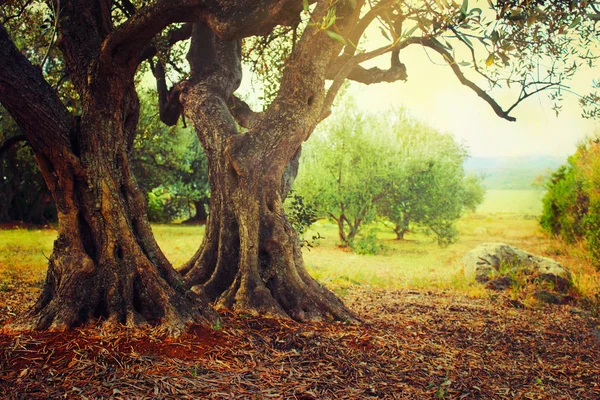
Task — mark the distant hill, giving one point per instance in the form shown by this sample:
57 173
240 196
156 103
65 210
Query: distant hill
512 173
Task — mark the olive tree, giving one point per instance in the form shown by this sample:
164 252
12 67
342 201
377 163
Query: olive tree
106 262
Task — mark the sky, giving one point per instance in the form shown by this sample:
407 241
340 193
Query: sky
433 94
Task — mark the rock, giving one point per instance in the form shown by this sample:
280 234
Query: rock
487 259
547 297
501 283
558 283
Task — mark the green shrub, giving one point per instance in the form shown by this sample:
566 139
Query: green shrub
366 244
572 203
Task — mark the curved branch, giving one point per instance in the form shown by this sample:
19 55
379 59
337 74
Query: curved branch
10 142
169 105
245 18
437 46
242 113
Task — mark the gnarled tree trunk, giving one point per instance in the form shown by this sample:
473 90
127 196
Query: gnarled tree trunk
105 262
250 260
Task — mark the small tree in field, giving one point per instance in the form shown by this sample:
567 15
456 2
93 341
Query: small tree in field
428 183
344 172
362 167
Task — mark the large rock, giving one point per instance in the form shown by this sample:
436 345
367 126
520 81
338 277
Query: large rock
488 259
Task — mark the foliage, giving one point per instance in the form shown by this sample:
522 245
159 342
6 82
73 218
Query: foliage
169 165
23 192
404 171
301 214
429 185
572 203
342 172
366 244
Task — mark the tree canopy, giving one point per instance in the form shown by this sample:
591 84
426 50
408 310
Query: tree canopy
361 166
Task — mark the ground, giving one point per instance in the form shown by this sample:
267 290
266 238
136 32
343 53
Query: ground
428 331
412 344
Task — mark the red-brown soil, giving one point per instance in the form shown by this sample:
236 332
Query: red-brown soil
412 344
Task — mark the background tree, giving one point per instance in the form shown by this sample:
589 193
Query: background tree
361 166
170 166
572 202
23 192
428 186
345 170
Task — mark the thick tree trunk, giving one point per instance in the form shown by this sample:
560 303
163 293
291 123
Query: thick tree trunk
200 215
106 263
250 260
400 232
402 228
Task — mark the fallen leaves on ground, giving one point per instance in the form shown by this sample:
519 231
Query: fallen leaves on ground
411 344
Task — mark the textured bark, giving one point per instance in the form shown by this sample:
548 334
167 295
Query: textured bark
200 215
250 260
105 262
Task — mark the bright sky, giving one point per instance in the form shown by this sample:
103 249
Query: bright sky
433 94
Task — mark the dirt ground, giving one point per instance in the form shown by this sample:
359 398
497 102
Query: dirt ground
411 344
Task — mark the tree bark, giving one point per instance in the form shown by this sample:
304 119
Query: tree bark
105 263
250 260
200 216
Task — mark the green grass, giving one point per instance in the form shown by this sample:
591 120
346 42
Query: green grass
178 242
522 202
417 262
23 254
414 263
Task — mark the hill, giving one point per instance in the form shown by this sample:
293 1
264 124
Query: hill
512 173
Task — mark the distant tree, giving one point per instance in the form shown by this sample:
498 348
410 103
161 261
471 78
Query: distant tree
361 167
572 202
170 166
428 186
343 171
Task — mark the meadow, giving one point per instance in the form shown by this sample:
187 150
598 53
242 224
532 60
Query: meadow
417 262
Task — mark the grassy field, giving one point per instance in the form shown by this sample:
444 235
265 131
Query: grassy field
522 202
414 263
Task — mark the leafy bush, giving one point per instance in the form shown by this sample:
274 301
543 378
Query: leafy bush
301 214
366 244
572 203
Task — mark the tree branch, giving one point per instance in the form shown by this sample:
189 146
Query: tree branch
437 46
31 101
242 113
240 19
169 105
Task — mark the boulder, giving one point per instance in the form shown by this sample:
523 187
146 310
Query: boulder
488 259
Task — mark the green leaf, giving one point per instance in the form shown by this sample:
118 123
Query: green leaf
336 36
464 64
410 31
575 22
305 5
464 7
385 34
